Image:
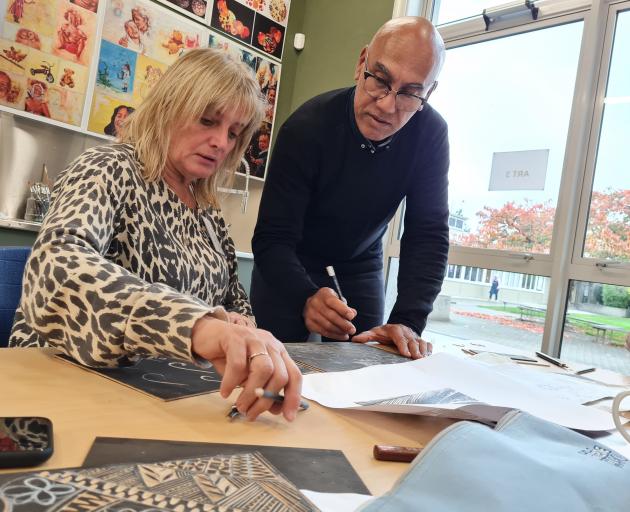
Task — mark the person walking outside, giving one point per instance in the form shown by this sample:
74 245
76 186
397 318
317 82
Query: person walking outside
494 289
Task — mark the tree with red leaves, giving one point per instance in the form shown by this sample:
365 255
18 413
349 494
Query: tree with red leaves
514 227
608 233
528 227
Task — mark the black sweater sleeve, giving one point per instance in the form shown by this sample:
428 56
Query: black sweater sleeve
424 244
280 222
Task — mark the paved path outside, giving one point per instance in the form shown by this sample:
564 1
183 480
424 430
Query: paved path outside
526 335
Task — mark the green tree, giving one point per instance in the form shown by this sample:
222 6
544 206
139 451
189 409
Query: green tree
616 296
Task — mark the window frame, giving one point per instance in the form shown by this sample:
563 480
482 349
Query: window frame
586 266
564 263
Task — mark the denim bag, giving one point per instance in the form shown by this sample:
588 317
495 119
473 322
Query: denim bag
524 464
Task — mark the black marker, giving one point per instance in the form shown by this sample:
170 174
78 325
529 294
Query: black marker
331 272
552 360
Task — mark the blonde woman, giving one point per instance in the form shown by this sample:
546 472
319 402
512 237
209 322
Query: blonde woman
134 258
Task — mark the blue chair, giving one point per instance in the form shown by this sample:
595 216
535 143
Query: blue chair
12 261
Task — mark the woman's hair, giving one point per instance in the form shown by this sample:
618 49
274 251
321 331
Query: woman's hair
201 79
110 129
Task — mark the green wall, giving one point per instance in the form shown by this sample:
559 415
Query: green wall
335 30
289 64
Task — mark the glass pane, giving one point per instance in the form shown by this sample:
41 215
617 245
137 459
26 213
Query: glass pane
470 307
597 326
508 96
445 11
608 232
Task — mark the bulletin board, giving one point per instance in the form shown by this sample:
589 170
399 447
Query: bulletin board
86 65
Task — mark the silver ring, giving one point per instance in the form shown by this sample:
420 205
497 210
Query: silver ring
256 355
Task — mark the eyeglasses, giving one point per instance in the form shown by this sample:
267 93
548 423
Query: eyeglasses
378 88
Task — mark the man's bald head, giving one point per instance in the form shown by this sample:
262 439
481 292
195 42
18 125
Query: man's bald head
404 57
411 37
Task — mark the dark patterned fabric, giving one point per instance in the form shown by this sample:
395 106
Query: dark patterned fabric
122 268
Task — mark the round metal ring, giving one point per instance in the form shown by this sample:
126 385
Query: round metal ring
256 355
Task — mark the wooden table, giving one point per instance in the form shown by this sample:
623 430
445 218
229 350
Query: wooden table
83 406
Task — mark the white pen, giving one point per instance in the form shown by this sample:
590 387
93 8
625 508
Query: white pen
331 272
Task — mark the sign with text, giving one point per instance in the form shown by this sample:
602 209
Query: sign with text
519 170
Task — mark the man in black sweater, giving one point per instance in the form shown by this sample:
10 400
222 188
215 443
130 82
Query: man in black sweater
342 164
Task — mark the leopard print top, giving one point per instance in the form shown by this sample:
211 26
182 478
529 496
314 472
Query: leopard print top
122 268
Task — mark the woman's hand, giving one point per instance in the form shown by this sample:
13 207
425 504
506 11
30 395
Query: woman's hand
252 358
238 319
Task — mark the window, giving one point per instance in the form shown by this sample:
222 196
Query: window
510 313
596 326
510 96
513 91
608 230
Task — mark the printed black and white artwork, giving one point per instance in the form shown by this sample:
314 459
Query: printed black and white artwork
340 356
436 396
308 468
242 482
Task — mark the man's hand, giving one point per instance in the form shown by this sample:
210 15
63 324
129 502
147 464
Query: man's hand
251 358
238 319
408 343
326 314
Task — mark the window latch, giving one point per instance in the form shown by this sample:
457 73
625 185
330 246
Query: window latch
526 256
508 11
605 264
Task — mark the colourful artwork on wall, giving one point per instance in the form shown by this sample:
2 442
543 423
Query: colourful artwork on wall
267 74
233 18
196 9
148 29
90 5
277 10
74 34
46 47
268 36
258 151
140 40
259 23
107 114
12 90
53 67
116 68
148 73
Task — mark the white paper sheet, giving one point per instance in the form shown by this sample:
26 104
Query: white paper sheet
565 386
447 385
336 502
568 386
